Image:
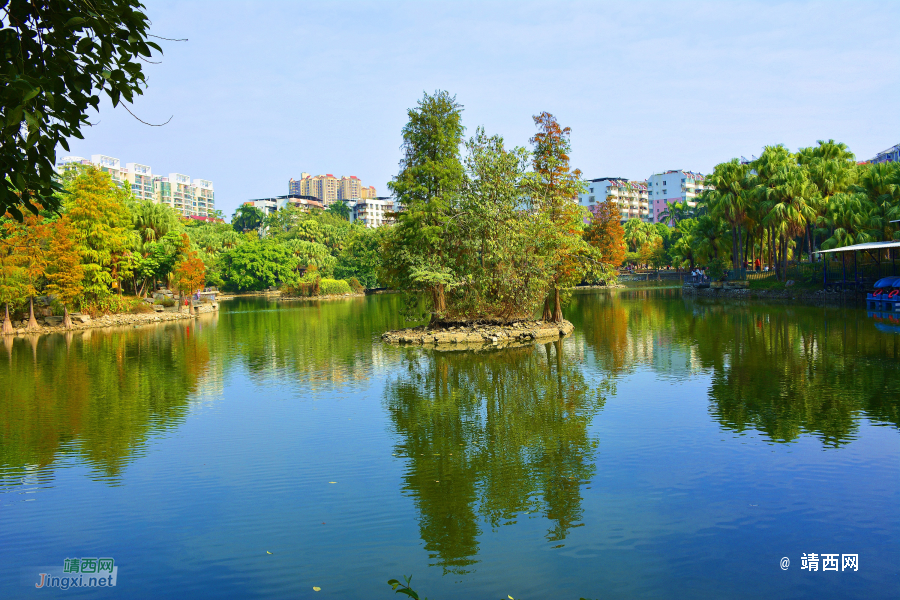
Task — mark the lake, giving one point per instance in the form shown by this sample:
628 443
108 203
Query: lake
670 448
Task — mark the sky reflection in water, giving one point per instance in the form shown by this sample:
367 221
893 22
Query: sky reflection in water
669 447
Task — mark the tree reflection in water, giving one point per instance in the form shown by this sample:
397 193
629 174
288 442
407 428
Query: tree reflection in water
492 435
781 369
96 396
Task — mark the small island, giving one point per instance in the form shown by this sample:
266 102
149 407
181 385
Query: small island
489 242
474 334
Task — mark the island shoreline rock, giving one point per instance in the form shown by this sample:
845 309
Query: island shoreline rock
521 332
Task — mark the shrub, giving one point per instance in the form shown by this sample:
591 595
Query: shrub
356 286
334 287
140 308
112 304
310 285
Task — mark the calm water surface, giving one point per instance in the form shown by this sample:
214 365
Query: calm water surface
670 448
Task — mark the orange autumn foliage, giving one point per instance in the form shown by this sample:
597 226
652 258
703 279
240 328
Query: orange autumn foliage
190 272
606 233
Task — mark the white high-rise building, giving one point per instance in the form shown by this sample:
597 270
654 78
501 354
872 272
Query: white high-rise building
189 197
141 180
631 196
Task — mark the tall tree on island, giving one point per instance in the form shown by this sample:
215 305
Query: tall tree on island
428 186
554 187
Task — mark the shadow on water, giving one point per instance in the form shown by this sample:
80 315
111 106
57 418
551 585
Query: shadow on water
782 370
492 435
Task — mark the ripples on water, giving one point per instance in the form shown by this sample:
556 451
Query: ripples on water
669 448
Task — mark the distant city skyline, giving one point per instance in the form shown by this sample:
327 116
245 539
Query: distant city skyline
646 87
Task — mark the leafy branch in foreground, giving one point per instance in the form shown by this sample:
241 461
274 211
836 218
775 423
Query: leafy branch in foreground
57 57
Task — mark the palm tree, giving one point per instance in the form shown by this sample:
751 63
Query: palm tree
635 233
832 167
730 200
788 209
880 183
153 221
765 169
849 221
707 237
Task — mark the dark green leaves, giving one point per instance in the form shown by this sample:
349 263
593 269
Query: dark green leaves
52 79
403 588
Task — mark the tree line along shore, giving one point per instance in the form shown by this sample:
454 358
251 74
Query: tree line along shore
486 231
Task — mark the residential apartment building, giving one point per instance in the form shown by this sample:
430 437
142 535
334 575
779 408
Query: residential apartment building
374 212
674 187
140 179
271 205
328 188
189 197
890 155
631 196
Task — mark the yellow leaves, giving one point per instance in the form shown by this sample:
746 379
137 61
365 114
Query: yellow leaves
317 588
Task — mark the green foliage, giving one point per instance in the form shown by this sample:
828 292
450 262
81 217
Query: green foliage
311 254
56 60
97 210
258 264
356 286
499 269
334 287
483 238
428 186
783 206
403 587
247 218
361 256
167 302
339 209
307 286
717 268
139 307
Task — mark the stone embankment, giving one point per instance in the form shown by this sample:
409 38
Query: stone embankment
81 322
495 335
787 293
326 297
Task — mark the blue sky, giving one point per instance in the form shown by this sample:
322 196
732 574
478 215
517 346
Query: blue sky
265 90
